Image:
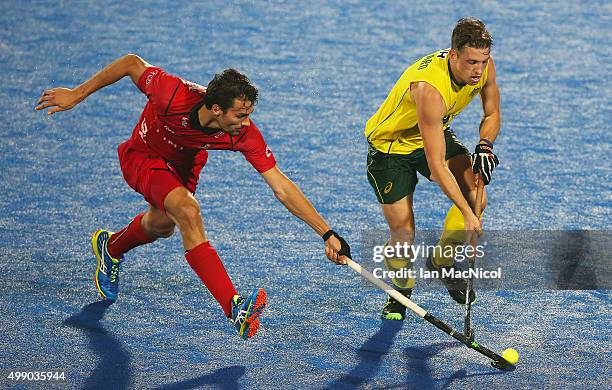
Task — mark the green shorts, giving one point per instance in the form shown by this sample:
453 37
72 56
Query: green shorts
393 176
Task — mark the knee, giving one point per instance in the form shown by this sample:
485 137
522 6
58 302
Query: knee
187 215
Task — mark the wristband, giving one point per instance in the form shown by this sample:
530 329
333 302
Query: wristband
328 234
487 142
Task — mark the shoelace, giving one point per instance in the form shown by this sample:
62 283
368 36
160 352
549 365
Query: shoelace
114 273
240 317
390 301
241 313
103 266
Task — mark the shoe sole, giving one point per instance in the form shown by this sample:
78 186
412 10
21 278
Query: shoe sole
253 328
94 245
395 316
251 323
392 317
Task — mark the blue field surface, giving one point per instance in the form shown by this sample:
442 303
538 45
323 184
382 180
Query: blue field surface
322 68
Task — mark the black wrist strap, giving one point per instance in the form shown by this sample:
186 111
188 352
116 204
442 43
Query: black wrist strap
486 142
328 234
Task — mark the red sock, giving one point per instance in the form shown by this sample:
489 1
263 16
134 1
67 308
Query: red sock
206 263
129 237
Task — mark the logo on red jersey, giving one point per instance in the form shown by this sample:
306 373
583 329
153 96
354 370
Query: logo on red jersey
184 121
150 77
268 151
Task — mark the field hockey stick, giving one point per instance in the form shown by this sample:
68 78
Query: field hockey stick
496 360
467 325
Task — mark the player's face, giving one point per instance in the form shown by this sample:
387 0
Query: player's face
236 117
469 64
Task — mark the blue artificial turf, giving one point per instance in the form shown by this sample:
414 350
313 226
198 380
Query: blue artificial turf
322 69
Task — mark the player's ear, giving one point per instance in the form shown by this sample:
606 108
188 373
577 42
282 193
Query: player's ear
216 109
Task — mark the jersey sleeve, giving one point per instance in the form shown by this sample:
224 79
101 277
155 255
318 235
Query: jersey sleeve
256 151
160 87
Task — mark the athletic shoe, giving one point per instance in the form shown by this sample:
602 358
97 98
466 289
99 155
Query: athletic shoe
246 312
107 271
456 286
393 310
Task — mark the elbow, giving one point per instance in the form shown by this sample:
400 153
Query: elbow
435 160
436 168
282 187
132 61
497 116
131 57
281 195
133 66
494 117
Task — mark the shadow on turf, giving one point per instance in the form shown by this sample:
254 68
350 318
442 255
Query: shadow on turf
113 369
420 374
224 378
462 374
574 261
370 356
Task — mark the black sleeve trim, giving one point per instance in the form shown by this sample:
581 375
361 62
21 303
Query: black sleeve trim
172 98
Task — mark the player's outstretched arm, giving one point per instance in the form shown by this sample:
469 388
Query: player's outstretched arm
289 194
61 99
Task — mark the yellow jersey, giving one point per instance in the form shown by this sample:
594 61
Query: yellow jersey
394 127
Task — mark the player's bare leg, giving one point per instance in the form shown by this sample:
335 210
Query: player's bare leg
183 209
400 218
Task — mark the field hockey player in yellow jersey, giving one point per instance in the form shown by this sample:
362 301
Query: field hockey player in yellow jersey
411 133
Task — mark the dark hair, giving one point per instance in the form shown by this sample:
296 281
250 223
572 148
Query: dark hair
226 87
470 32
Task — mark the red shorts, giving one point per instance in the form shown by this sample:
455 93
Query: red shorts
152 176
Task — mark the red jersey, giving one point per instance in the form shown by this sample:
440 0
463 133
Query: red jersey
169 127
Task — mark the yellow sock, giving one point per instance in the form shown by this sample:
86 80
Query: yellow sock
452 236
398 263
